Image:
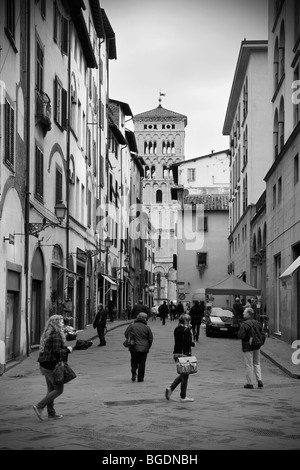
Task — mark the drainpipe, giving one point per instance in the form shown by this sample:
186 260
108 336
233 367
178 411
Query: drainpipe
27 181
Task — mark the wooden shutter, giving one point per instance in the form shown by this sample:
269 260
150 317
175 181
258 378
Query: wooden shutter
39 173
65 35
58 193
9 134
64 107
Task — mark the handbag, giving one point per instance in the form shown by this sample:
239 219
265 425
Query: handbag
63 373
129 341
186 365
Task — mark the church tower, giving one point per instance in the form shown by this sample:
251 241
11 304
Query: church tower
160 136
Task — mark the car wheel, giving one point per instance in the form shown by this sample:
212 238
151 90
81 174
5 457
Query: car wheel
208 333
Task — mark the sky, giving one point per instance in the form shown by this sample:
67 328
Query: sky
186 49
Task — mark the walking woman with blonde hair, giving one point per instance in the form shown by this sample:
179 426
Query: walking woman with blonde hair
52 348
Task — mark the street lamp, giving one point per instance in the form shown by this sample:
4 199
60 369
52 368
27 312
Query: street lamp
60 211
36 227
107 243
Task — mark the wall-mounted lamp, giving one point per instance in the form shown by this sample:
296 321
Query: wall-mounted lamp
107 244
37 227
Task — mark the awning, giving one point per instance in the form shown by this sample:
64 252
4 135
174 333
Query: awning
109 279
291 269
68 271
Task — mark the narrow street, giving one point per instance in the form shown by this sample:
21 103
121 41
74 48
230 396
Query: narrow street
104 410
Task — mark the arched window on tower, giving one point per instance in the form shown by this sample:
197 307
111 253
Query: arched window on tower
159 196
153 171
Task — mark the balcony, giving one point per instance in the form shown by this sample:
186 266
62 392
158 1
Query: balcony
43 110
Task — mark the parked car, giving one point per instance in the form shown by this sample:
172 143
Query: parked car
221 321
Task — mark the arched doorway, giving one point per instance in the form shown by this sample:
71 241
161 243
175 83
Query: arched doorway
37 317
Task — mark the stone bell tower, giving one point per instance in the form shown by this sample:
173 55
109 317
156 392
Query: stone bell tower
160 136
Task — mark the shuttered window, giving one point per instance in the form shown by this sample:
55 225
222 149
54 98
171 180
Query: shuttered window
58 186
10 17
60 104
39 173
9 155
61 30
39 67
89 208
102 170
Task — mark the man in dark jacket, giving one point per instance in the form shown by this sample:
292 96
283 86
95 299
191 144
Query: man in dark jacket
238 311
180 309
100 324
140 307
196 314
143 339
251 354
163 311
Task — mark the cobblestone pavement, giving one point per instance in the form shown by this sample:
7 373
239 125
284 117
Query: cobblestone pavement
104 410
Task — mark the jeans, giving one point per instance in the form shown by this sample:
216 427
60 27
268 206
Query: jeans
183 381
138 364
53 391
196 330
252 364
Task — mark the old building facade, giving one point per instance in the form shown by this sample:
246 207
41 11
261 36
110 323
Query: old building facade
247 122
202 192
63 250
282 178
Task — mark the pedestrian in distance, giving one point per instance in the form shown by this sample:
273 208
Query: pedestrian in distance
238 310
180 309
140 307
251 353
196 314
100 323
111 310
163 311
154 312
53 348
128 311
143 339
182 346
172 310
